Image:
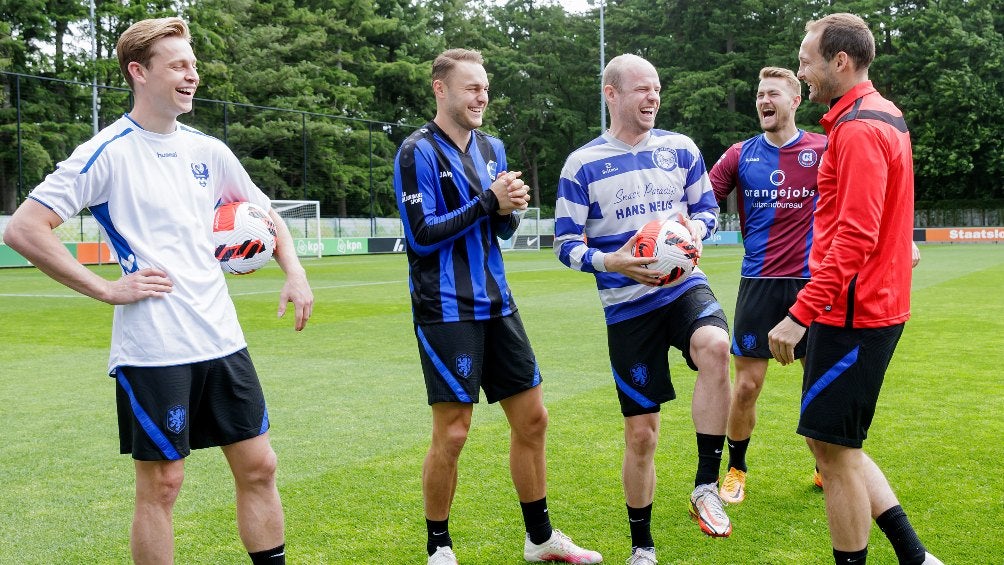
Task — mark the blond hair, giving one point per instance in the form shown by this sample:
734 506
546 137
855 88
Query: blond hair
135 43
844 32
784 74
448 59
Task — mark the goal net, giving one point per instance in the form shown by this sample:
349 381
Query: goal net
527 237
303 218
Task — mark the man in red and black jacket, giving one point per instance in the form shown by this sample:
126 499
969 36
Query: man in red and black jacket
858 299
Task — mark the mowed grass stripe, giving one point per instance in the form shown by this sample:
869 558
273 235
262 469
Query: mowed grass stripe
350 425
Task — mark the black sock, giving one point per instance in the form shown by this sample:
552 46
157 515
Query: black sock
439 534
896 526
737 453
274 556
537 521
709 458
640 520
846 557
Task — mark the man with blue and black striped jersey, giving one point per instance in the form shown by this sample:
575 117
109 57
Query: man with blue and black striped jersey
608 189
456 197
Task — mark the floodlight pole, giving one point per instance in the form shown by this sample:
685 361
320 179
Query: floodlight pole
94 67
603 106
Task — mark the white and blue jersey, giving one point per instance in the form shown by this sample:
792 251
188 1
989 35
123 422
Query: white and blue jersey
608 190
154 196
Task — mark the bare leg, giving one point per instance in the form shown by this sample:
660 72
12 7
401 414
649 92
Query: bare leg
846 473
641 437
260 520
750 373
451 422
157 486
527 462
709 348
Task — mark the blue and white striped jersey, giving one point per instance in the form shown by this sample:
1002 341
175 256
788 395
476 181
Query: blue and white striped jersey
608 190
451 223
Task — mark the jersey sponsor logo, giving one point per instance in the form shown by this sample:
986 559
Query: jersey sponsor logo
777 177
774 194
748 342
807 158
201 173
639 374
665 158
165 155
177 419
415 198
465 364
492 168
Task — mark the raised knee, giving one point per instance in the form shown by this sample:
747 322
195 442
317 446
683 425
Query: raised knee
712 349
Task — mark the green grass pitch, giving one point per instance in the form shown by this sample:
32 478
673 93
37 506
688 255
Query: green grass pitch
350 425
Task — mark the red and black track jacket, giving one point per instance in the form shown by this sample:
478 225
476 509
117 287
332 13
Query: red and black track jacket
860 262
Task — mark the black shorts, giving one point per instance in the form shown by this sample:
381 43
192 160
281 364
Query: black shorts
844 370
639 348
165 412
459 358
760 305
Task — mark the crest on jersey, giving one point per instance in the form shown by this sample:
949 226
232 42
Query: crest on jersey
777 177
639 374
492 168
177 419
665 158
201 173
465 364
807 157
748 342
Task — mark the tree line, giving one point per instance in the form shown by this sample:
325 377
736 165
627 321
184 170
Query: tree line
941 61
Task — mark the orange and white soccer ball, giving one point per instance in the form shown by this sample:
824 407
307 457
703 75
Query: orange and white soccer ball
671 248
243 237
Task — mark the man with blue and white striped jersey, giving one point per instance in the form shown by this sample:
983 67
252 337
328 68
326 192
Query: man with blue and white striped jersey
608 189
184 378
456 195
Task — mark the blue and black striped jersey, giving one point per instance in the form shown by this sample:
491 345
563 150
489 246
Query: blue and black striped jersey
451 223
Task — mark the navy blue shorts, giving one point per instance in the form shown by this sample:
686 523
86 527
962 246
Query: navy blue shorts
165 412
639 348
844 370
459 358
760 305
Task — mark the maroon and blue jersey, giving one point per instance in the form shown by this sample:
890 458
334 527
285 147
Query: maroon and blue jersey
776 194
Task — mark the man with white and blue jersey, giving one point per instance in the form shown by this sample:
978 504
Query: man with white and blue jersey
184 378
456 196
608 189
774 177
